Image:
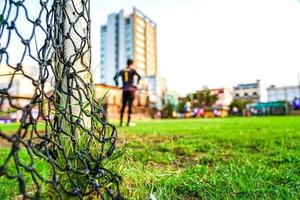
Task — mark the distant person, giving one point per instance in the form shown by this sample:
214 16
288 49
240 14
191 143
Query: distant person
296 103
235 111
187 107
195 112
217 113
128 88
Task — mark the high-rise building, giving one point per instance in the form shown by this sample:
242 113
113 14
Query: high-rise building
128 36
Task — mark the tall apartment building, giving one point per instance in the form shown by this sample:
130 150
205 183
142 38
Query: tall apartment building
128 36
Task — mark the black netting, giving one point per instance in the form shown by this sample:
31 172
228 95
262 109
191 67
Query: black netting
45 53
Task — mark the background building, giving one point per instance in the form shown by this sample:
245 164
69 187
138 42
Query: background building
20 89
157 87
220 108
128 36
288 93
113 102
248 91
224 97
132 36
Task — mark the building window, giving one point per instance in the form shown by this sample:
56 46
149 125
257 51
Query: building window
140 43
128 49
140 29
140 65
141 58
128 21
128 31
140 36
141 22
103 29
140 50
129 41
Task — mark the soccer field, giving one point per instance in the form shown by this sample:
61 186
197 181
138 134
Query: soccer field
234 158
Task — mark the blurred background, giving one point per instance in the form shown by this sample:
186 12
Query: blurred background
197 58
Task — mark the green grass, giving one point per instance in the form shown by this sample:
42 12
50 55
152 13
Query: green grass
11 128
9 188
234 158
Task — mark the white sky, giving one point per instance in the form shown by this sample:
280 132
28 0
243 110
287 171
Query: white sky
217 43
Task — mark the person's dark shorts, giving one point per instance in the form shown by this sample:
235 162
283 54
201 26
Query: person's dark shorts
127 98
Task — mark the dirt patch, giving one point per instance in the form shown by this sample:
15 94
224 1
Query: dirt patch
254 148
184 160
158 166
147 138
142 142
179 151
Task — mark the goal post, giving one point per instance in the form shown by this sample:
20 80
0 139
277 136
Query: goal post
69 135
74 60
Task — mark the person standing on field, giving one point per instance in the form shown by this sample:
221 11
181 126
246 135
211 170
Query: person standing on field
128 88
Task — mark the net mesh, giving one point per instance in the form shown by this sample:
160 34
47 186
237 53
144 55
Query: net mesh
45 78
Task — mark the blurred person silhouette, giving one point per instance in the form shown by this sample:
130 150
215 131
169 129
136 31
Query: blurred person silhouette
296 103
128 88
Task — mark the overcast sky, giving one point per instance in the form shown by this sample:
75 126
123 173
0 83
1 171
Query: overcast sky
217 43
213 43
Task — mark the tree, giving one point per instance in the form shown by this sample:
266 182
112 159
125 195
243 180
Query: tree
240 104
167 111
205 98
